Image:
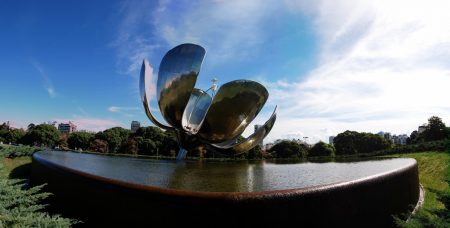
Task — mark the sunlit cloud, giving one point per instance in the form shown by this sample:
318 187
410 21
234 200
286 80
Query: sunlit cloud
383 67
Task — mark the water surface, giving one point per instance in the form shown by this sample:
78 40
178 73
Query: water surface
210 176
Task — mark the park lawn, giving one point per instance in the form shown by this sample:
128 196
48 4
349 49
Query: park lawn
434 173
7 165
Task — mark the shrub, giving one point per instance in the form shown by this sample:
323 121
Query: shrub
321 149
21 208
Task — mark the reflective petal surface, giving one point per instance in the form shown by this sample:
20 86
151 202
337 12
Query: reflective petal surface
146 70
234 106
176 79
195 111
256 137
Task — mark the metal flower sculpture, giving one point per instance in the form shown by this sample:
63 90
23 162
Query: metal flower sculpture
199 119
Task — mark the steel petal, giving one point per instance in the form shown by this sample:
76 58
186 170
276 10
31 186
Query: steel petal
258 136
195 111
176 79
146 70
235 105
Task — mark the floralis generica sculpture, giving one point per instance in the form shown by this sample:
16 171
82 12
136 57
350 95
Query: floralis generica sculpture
201 119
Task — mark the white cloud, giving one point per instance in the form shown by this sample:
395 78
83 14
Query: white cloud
91 124
48 85
383 67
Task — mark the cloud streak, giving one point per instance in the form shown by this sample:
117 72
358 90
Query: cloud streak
48 85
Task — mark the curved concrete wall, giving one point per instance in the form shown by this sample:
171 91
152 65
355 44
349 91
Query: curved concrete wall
368 202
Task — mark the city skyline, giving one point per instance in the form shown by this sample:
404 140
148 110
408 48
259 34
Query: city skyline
366 66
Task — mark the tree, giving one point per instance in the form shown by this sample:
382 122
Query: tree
80 140
287 149
115 137
352 142
4 126
99 145
413 137
62 142
14 135
153 133
30 126
435 129
42 134
146 146
254 153
129 147
321 149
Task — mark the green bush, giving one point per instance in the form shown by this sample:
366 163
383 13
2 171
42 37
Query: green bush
441 145
321 149
17 151
21 208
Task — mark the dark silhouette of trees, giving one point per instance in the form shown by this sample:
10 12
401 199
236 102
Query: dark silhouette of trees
321 149
99 145
288 149
435 129
352 142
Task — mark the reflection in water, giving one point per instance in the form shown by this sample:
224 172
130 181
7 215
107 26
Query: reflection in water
221 176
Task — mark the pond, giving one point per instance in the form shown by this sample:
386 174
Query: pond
211 176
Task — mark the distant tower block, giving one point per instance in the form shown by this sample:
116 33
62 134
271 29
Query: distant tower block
135 125
67 128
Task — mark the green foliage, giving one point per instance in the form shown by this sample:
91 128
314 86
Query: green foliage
441 145
352 142
43 134
321 149
80 140
99 145
17 151
115 137
435 130
288 149
146 146
434 175
20 207
12 135
254 153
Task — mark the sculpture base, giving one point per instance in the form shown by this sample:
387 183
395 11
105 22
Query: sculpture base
101 201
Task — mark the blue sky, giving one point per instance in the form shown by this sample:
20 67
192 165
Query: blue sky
330 66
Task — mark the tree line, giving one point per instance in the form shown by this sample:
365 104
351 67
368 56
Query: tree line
435 135
154 141
145 141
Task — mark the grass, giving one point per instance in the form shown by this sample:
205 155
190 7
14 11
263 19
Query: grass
20 206
434 175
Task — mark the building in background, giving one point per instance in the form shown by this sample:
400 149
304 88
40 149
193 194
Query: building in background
331 140
422 128
67 128
396 139
400 139
135 125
